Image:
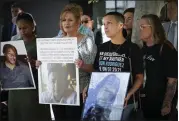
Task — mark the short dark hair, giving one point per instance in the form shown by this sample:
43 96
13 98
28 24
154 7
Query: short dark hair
26 17
131 10
9 46
54 68
118 16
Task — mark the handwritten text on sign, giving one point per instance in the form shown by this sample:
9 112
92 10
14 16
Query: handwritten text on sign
57 50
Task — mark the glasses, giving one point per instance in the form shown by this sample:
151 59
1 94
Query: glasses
144 26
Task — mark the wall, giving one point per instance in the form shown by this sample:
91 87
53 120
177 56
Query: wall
98 11
46 14
144 7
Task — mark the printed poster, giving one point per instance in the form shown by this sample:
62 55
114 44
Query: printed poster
106 94
15 69
58 75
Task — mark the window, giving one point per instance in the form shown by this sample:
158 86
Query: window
118 5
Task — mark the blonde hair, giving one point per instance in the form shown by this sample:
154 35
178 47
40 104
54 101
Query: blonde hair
158 31
74 5
71 9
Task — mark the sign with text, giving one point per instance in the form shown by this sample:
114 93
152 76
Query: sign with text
58 75
57 50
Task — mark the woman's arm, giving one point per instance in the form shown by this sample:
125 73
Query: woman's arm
169 95
170 59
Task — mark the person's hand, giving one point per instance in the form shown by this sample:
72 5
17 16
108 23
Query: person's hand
79 63
27 59
166 108
5 103
84 93
126 99
37 63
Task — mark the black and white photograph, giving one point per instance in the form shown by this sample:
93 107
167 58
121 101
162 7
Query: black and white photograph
57 84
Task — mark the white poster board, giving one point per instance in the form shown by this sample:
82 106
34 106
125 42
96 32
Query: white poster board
58 75
106 94
15 70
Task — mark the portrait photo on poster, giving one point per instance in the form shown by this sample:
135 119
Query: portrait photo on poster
58 84
106 95
15 69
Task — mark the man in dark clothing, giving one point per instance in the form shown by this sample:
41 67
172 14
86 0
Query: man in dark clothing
128 24
9 28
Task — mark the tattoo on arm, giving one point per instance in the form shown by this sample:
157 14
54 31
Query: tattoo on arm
170 92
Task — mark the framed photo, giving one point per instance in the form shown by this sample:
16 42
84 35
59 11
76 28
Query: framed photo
15 69
106 94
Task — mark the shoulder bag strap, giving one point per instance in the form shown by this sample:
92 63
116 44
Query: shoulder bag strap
131 76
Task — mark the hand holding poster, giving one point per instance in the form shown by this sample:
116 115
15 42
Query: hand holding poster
106 95
15 70
58 75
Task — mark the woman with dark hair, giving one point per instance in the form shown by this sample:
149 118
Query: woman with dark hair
14 73
24 104
160 64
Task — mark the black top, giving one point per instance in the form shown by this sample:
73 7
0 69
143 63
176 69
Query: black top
98 37
19 77
159 65
23 105
115 58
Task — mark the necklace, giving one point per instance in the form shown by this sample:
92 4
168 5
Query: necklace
119 46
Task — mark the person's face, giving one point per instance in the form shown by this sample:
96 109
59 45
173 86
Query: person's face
25 28
106 96
11 56
15 12
51 83
57 84
86 21
172 10
69 23
111 26
145 29
128 20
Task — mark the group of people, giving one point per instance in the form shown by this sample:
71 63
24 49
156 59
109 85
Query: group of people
156 63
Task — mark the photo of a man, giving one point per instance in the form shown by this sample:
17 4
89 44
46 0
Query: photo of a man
59 89
106 95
